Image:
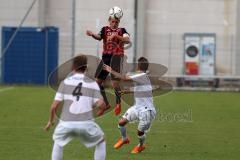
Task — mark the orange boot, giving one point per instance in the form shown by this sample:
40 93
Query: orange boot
120 143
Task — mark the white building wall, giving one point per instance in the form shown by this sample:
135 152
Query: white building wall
237 44
168 20
13 11
58 13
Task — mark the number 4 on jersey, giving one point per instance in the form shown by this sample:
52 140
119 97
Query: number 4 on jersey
77 91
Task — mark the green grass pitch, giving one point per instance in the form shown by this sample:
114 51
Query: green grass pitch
189 126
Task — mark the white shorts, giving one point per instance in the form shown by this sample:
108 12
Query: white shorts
144 118
88 132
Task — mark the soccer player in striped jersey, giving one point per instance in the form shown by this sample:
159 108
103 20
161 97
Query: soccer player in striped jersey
80 95
143 109
114 39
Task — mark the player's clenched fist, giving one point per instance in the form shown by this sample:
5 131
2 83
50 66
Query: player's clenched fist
107 68
89 33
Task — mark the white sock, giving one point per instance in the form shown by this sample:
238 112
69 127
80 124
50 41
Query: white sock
123 132
100 151
141 140
57 152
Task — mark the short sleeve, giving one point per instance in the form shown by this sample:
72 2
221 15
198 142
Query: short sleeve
101 32
125 33
60 95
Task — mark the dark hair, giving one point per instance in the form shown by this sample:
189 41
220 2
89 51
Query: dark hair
80 63
143 64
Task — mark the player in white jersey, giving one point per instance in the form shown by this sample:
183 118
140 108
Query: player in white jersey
80 96
143 109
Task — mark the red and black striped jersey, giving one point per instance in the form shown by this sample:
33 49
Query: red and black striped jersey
114 46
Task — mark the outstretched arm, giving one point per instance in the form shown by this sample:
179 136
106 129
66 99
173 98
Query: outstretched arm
118 75
54 108
95 36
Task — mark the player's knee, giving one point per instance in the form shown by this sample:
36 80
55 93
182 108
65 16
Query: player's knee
140 133
116 85
122 122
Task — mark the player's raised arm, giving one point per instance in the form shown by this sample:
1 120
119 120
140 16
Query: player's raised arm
95 36
118 75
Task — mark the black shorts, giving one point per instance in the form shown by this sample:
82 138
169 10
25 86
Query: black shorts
113 61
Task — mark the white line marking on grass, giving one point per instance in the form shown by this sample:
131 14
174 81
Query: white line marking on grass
6 89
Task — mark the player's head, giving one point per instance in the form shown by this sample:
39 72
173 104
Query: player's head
113 22
80 63
143 64
115 14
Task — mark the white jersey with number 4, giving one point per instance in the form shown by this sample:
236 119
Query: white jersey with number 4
79 94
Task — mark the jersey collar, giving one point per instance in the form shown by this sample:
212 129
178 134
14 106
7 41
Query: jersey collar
80 75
